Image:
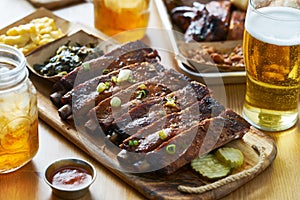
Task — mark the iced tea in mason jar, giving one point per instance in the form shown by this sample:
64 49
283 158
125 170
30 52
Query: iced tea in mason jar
18 111
116 16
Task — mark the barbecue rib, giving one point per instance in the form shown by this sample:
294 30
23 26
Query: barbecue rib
85 96
210 23
172 124
159 86
208 20
157 108
199 139
106 113
151 111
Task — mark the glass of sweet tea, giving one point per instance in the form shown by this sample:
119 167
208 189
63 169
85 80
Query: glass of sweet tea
126 18
18 111
271 47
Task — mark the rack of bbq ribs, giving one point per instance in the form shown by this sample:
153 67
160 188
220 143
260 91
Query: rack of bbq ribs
208 20
158 119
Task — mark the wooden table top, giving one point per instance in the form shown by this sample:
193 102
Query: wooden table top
279 181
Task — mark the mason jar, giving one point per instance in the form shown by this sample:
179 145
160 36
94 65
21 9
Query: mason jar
18 111
126 20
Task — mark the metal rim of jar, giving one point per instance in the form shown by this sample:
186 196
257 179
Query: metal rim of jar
14 57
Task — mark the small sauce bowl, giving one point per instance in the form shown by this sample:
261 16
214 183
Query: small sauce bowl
70 178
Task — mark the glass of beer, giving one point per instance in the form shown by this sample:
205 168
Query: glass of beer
128 17
271 49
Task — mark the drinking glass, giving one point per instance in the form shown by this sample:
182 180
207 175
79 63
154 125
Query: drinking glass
271 47
19 141
129 17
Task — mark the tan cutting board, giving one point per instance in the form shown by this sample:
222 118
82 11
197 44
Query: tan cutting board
152 186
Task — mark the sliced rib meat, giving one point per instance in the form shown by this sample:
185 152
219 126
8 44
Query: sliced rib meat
198 140
150 137
151 111
85 96
162 85
129 53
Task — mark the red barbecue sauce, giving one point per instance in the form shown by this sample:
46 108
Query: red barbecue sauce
70 178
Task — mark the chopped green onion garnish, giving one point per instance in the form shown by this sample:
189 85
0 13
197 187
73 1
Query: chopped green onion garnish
130 143
114 79
162 112
107 84
115 102
171 148
135 142
170 102
131 80
141 94
103 86
86 66
124 75
105 71
143 87
162 134
174 125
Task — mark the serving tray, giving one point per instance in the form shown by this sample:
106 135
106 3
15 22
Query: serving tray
46 51
67 27
183 64
150 185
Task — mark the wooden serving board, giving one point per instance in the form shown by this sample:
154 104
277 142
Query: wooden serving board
153 186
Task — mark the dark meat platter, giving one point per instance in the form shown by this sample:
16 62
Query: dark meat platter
199 24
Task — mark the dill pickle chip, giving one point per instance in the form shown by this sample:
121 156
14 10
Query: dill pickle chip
230 156
210 167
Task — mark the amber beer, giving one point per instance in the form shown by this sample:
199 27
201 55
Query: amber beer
272 57
116 16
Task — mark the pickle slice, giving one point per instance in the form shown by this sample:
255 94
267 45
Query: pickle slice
230 156
210 167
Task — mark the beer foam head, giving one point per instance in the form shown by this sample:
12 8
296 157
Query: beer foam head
274 25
